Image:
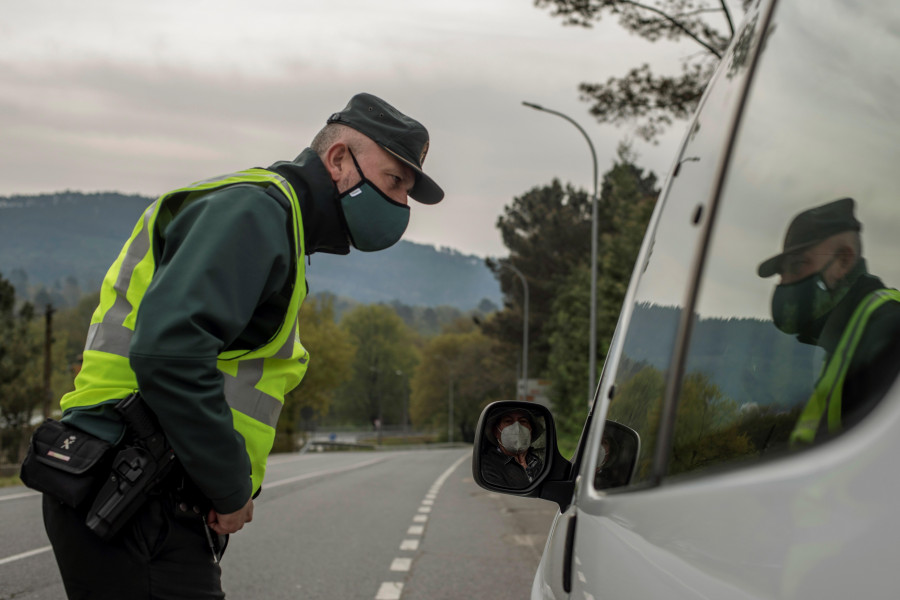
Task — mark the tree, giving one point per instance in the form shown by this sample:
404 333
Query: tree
331 351
627 196
20 352
649 99
548 232
637 405
385 358
706 426
467 365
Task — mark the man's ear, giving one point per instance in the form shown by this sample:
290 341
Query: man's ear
334 160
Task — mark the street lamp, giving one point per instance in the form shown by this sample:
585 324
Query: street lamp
592 353
524 327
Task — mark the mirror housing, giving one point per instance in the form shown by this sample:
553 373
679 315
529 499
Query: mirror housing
550 475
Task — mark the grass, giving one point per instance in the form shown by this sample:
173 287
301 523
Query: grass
568 443
10 481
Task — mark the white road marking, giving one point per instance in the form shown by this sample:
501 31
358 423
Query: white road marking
401 564
392 590
281 482
389 590
16 557
17 496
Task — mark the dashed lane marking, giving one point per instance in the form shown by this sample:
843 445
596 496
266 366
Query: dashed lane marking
393 590
401 564
389 590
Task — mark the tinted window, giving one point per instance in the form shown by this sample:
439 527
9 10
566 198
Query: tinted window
822 123
641 373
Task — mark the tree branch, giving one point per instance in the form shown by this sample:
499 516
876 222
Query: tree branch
678 25
727 16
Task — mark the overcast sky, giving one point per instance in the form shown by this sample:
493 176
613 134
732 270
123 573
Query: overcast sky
141 97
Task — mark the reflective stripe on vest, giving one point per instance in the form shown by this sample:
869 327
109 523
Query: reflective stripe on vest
255 380
822 413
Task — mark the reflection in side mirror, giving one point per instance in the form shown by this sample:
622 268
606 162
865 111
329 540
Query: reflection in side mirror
515 453
619 449
514 447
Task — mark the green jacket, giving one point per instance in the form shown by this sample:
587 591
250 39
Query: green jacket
862 341
224 268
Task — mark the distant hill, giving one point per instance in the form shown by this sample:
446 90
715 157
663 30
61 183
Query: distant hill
66 241
748 359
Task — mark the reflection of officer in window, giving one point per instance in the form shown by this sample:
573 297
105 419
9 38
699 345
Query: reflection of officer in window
827 298
510 460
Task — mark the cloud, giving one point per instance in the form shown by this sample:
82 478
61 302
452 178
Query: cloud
140 98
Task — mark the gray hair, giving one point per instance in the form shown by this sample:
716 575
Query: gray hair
333 133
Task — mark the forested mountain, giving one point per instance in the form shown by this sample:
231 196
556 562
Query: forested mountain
61 245
750 360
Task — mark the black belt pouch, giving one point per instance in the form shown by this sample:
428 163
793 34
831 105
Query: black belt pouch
66 463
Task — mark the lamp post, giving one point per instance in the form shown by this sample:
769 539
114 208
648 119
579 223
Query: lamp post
450 413
592 352
524 326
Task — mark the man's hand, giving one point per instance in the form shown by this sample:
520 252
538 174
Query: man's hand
231 522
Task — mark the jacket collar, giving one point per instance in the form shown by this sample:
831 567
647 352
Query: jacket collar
840 316
323 228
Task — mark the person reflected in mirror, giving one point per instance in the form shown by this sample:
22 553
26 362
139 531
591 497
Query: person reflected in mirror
510 459
617 456
827 297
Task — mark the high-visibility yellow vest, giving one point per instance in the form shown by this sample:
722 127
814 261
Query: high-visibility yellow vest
255 381
823 410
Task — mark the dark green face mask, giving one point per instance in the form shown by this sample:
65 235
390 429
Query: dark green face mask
374 221
797 306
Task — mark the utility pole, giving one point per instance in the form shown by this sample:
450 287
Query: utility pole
48 344
450 413
521 276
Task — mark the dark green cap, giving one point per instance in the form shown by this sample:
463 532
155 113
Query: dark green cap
405 138
811 227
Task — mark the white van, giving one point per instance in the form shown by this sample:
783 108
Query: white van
743 442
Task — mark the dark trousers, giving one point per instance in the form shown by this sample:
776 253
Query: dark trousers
156 556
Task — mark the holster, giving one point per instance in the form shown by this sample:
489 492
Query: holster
136 469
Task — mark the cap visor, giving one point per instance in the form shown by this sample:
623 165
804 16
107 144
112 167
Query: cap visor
425 189
770 267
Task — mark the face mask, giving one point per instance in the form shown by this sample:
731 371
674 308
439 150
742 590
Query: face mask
374 221
796 306
515 437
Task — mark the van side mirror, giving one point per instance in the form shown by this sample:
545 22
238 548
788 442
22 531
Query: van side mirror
620 447
516 453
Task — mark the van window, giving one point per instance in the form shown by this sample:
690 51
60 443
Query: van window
809 202
643 368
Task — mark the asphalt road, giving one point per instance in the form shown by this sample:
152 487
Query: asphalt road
369 525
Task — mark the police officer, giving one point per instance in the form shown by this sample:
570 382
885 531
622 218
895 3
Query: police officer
199 313
826 297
